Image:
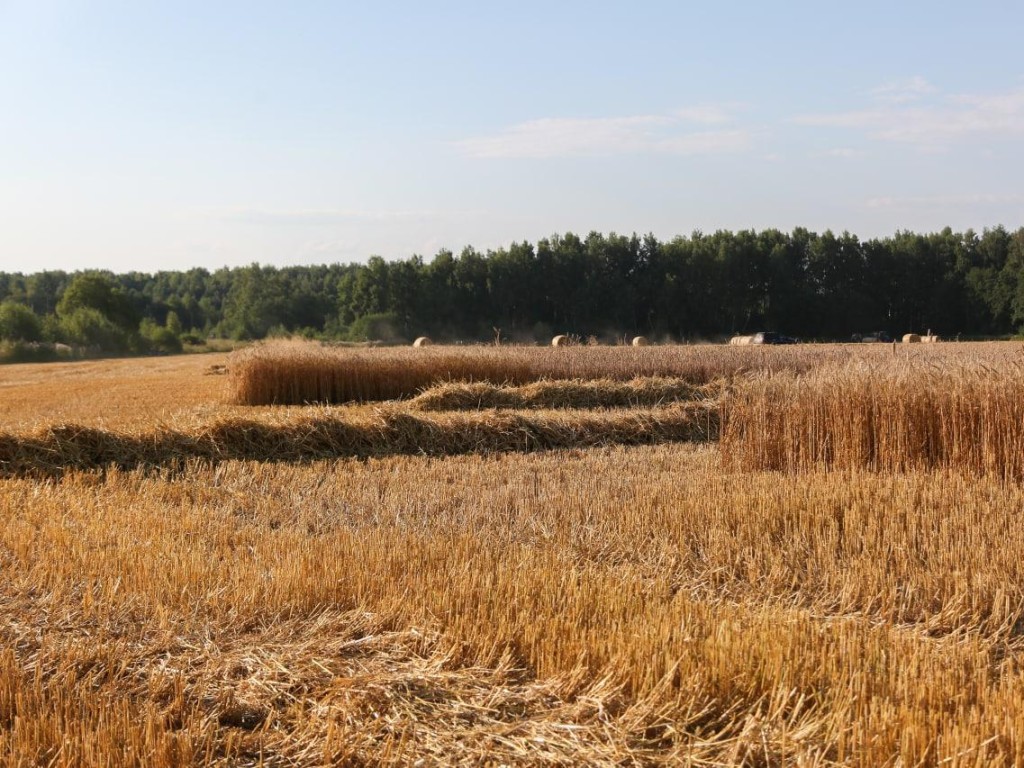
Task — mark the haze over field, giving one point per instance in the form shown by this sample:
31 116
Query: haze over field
145 137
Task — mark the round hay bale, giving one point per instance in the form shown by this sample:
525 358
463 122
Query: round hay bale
422 341
640 341
930 338
562 340
911 338
741 341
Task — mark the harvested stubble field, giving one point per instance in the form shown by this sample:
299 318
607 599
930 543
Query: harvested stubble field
605 605
108 393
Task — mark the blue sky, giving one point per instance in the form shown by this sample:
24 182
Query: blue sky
144 135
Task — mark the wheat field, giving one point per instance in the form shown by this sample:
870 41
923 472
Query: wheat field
683 602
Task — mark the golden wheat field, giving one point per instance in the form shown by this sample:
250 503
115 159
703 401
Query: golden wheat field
641 556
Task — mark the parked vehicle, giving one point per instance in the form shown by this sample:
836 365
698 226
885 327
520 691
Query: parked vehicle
875 336
771 337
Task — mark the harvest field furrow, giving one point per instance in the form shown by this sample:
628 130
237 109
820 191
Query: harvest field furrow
594 604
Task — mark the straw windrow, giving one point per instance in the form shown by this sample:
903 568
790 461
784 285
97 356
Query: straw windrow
572 393
54 450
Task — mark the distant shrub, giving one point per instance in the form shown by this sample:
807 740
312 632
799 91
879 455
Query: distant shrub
92 329
159 338
193 340
26 352
377 327
19 323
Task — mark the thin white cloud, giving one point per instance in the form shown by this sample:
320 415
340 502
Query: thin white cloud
902 91
854 119
704 143
841 152
336 247
319 215
671 134
708 114
944 200
934 125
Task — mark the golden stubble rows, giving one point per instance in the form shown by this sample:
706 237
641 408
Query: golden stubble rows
607 606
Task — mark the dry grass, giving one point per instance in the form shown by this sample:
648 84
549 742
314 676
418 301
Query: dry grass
568 393
966 417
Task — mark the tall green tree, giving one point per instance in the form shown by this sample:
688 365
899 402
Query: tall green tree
254 303
99 293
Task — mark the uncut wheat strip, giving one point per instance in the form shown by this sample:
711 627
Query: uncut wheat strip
296 374
896 417
306 373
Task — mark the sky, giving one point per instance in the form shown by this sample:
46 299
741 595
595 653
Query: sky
168 135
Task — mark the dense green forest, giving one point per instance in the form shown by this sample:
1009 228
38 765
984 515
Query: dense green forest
814 286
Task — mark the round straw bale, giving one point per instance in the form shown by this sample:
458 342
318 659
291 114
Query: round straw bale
740 340
562 340
930 338
422 341
640 341
911 338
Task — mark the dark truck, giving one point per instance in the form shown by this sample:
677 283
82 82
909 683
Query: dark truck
875 336
771 337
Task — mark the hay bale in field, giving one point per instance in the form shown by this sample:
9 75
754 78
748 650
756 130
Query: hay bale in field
930 338
741 341
640 341
911 338
562 340
422 341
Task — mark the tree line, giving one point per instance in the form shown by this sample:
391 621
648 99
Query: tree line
705 286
